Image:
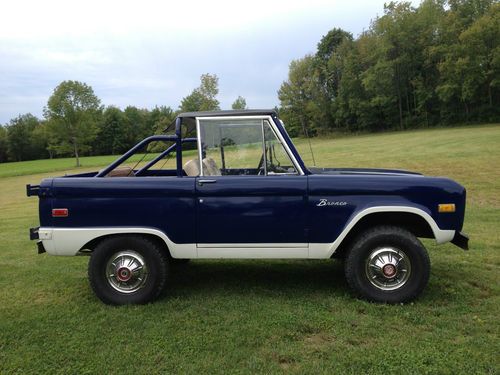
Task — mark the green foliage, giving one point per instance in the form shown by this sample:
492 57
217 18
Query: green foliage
298 97
3 145
413 67
239 103
72 112
438 63
113 132
203 98
24 139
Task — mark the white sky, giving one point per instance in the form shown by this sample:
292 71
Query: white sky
148 53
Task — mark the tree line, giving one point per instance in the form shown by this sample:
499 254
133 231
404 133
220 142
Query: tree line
75 123
437 63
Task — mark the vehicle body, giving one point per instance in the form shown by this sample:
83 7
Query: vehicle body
251 196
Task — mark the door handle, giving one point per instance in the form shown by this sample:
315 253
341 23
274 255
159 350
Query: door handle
201 182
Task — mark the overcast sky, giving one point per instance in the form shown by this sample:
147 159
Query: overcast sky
148 53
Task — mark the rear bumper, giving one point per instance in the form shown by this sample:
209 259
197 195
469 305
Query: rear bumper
34 233
43 237
461 240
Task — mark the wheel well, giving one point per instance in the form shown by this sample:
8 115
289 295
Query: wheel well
89 247
413 223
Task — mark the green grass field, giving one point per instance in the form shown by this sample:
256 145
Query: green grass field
265 316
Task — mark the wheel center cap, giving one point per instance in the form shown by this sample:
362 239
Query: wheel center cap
123 274
389 270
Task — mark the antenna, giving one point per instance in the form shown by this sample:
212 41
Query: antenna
309 141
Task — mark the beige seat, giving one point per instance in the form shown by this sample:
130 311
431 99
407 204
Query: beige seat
192 168
121 172
210 167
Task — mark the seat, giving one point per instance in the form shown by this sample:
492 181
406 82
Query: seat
192 168
121 172
210 167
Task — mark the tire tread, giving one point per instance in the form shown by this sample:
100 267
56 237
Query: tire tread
358 246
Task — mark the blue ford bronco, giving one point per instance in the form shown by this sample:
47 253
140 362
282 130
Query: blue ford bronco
231 184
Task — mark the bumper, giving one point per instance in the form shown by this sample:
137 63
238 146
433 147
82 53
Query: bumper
43 237
34 233
461 240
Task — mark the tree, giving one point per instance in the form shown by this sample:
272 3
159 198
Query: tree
112 132
136 120
160 118
41 139
466 87
299 108
479 63
21 142
203 98
3 145
239 103
326 58
72 112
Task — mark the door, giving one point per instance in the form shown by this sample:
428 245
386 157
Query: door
251 195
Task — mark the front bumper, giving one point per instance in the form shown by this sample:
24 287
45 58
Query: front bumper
461 240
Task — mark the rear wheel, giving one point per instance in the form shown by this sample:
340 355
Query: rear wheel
127 270
387 264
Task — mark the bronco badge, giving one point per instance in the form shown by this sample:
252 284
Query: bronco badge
326 202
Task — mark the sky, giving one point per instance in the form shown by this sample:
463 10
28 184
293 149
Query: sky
150 53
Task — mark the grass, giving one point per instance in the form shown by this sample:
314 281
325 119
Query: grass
265 316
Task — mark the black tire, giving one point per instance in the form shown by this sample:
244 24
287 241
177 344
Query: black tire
368 252
150 262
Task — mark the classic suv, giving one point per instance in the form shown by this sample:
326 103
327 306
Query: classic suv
239 189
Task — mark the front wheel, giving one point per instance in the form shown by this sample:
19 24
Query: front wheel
387 264
127 270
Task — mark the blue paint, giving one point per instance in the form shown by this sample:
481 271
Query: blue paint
242 209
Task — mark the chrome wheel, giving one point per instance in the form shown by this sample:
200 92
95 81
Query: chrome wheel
126 271
388 268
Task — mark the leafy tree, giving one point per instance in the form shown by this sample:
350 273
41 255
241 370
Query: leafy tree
328 70
438 62
112 134
41 140
203 98
239 103
467 66
21 142
297 96
72 112
137 123
327 58
160 118
3 144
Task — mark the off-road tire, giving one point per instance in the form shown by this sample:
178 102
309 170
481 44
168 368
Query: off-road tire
155 260
361 251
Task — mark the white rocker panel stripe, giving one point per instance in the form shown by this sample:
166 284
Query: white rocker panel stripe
253 252
69 241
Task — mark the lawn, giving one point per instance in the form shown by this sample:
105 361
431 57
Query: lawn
265 316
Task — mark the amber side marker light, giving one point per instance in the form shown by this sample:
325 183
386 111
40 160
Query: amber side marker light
446 207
